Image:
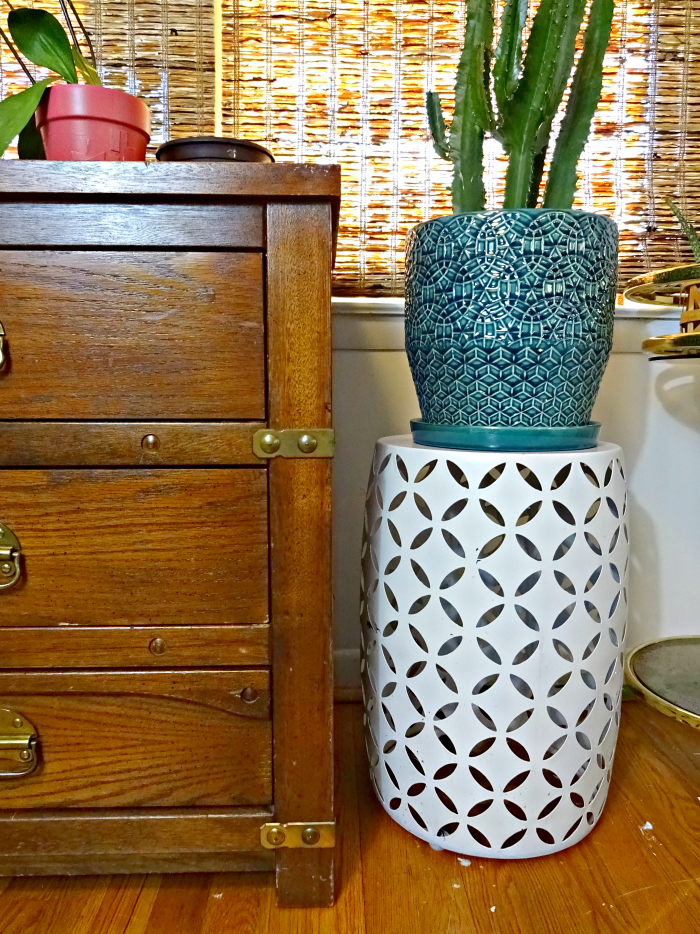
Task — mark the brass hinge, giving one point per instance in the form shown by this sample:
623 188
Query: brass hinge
294 442
10 553
310 836
18 745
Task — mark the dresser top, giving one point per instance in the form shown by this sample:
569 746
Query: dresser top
133 181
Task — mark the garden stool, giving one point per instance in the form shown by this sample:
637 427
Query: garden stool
494 609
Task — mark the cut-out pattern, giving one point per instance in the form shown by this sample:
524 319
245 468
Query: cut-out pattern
492 627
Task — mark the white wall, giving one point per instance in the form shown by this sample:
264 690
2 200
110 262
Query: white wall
652 409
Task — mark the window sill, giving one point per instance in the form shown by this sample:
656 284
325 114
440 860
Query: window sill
376 324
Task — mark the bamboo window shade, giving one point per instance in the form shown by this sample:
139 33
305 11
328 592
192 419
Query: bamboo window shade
160 50
345 80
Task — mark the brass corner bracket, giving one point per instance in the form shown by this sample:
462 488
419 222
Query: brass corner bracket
10 555
18 745
310 836
294 442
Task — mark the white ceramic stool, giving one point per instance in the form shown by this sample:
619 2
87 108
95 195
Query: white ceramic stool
494 609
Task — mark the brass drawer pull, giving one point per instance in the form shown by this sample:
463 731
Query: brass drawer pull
18 745
10 554
3 358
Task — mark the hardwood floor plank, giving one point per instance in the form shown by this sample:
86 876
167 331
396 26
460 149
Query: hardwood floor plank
142 909
239 903
52 905
625 877
111 904
180 905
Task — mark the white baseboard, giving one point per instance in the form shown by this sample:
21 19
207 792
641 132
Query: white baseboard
347 675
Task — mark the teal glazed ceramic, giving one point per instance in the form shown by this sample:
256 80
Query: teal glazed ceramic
505 437
509 316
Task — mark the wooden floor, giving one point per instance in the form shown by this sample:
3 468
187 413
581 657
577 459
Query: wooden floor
638 871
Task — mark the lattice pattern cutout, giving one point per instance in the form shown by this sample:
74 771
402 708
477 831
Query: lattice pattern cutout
493 611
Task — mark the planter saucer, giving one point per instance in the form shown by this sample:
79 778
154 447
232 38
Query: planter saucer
506 437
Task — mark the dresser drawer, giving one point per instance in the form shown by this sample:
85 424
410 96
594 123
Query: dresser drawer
132 334
148 547
141 738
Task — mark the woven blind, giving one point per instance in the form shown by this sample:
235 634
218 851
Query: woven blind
160 50
345 81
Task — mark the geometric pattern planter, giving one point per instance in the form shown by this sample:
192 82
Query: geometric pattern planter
509 315
494 609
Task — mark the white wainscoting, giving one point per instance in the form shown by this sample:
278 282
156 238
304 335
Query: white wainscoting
652 409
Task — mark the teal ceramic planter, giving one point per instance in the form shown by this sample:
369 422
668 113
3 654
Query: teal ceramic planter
509 316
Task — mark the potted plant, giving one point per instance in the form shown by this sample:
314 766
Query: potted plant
673 286
509 313
67 121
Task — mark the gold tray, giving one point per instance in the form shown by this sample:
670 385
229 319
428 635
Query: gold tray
679 656
673 345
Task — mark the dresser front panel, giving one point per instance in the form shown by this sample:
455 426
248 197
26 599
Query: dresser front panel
148 547
61 225
117 739
132 335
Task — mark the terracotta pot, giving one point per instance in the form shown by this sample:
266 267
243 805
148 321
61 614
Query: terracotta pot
90 123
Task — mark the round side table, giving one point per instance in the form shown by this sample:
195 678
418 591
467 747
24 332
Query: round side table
494 608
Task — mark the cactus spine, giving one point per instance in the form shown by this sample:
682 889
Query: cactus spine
527 94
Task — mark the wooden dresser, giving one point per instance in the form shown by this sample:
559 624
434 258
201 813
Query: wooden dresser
165 443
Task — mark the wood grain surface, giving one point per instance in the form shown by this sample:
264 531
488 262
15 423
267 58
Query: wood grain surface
625 877
132 335
299 368
127 739
122 302
133 646
155 181
132 839
113 444
148 547
202 226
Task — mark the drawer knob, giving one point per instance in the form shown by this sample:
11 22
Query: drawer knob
18 745
10 554
150 442
158 646
249 695
3 357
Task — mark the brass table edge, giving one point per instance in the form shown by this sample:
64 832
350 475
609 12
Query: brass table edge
654 700
676 345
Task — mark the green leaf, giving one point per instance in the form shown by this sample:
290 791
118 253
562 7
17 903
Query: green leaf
436 120
40 37
30 145
85 67
687 228
17 110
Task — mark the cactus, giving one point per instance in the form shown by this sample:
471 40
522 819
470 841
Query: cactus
528 93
